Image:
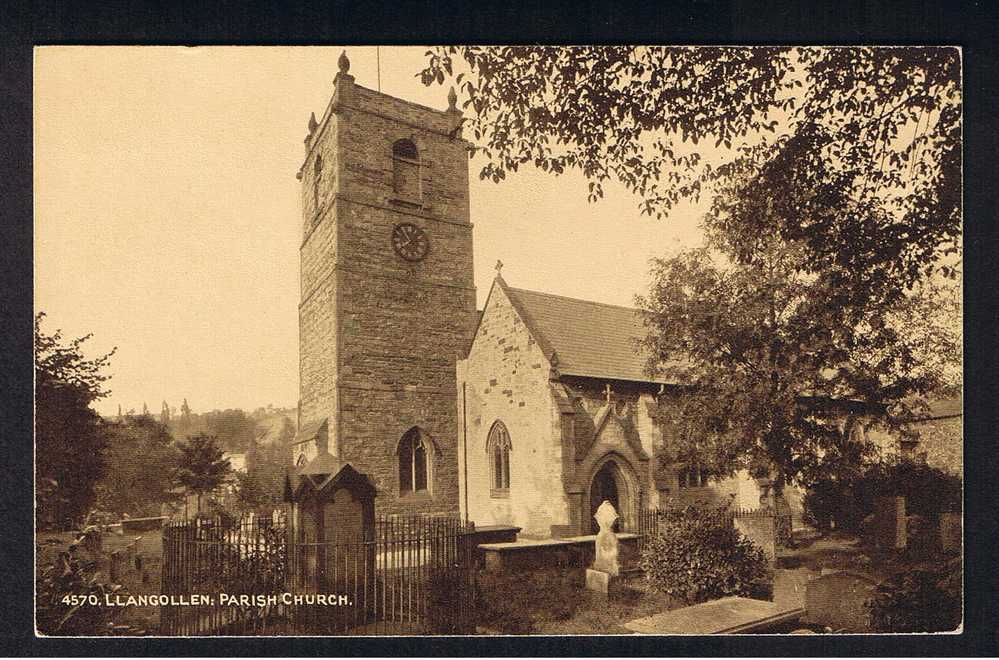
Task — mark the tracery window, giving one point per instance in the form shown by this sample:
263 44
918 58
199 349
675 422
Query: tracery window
415 459
498 448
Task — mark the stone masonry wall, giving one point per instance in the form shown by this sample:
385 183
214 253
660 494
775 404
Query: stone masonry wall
317 313
507 378
380 336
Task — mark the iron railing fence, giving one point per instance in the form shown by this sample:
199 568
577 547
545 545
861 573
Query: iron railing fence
412 574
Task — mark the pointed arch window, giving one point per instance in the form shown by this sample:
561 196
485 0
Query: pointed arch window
415 461
498 448
406 171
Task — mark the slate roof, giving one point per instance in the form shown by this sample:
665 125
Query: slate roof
588 338
324 463
308 432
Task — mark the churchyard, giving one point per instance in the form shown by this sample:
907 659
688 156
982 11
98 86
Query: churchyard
816 582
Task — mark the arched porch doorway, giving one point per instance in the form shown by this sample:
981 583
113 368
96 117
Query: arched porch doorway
610 482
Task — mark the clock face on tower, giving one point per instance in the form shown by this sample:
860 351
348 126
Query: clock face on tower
410 242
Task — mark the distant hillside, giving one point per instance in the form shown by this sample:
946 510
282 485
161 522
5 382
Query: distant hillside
235 429
271 423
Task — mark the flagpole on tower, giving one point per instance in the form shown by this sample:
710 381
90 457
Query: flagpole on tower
378 66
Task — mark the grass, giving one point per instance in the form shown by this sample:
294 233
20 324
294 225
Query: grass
556 602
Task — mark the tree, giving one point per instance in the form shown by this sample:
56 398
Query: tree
139 458
69 434
201 468
165 414
267 463
182 426
250 492
233 428
781 357
858 148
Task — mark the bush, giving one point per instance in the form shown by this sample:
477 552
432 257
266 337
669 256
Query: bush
928 492
926 599
831 505
697 554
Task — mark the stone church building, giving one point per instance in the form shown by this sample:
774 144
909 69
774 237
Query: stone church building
558 415
529 413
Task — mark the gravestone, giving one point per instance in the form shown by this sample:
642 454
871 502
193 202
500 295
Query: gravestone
759 527
605 563
333 514
889 523
839 600
729 615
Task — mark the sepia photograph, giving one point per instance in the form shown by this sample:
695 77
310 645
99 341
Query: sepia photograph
456 340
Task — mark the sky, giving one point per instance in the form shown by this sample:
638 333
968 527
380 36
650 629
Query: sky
168 215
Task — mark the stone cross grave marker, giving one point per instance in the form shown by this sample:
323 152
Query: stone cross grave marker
605 562
606 543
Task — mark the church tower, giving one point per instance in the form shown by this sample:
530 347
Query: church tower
387 292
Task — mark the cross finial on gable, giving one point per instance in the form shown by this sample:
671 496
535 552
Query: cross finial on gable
499 267
607 392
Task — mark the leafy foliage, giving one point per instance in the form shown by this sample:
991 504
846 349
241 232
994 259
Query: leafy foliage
923 599
852 145
201 468
786 359
696 554
73 574
256 563
249 492
928 492
233 429
69 434
140 458
263 483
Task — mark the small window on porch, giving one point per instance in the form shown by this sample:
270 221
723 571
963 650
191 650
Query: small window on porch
693 477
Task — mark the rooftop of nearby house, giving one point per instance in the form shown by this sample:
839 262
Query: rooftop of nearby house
944 408
237 460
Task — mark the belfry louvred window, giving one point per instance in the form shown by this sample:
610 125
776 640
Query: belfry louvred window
415 459
406 171
498 447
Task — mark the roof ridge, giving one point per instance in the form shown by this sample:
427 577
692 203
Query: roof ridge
582 300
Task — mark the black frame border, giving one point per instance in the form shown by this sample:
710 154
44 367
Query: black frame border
971 25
